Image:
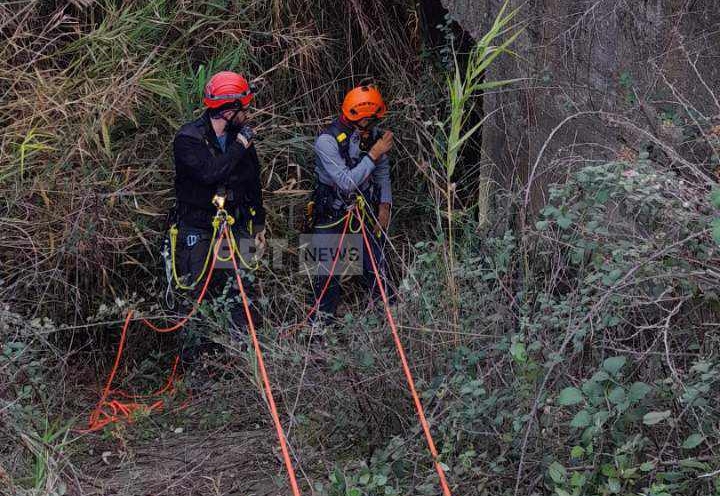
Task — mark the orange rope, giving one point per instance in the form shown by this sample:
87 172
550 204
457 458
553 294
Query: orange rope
265 379
180 323
405 366
110 411
100 417
315 307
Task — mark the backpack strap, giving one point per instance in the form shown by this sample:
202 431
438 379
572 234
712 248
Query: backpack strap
342 137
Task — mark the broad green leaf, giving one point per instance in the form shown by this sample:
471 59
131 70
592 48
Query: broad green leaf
561 492
600 376
518 352
581 419
653 418
693 441
354 492
638 391
601 417
614 486
570 396
577 452
617 395
647 466
557 472
613 364
564 221
578 480
380 479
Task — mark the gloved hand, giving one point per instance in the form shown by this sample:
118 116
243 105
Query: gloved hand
245 135
381 146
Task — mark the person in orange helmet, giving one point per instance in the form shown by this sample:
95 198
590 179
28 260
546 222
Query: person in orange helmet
215 155
351 160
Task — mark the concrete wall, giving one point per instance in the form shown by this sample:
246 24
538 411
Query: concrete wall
630 59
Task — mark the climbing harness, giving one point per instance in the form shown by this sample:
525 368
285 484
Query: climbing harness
170 250
173 250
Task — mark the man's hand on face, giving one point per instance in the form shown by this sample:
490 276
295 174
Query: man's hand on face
383 145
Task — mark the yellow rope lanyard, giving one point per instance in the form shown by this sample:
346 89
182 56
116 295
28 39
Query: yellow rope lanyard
173 244
360 204
216 225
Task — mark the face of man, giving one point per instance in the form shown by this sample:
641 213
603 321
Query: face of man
367 123
239 119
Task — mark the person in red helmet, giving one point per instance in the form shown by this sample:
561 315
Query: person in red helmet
351 160
215 155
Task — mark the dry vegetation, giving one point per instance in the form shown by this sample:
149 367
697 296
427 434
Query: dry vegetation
575 357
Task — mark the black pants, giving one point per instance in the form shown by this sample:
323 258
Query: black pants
192 249
331 298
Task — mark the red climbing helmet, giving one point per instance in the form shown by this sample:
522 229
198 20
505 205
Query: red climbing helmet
228 89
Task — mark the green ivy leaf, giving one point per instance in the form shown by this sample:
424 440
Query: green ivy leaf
693 441
613 364
570 396
638 391
617 395
354 492
557 473
653 418
581 419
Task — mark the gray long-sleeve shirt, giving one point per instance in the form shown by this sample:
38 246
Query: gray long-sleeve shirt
332 170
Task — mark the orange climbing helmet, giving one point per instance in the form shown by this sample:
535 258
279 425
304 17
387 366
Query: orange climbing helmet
362 102
227 89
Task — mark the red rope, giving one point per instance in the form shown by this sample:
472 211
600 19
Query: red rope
405 365
100 416
180 323
316 305
266 381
